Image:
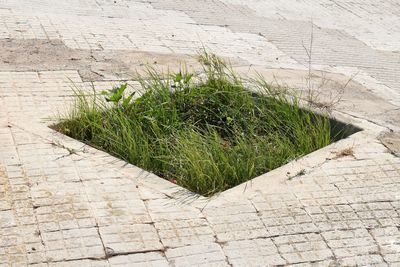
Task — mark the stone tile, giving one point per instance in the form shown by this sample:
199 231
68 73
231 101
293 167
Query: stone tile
254 252
179 233
151 259
209 254
302 248
130 238
168 210
83 263
371 260
349 243
235 221
388 241
72 244
7 219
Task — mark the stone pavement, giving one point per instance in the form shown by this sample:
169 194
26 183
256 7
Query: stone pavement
63 203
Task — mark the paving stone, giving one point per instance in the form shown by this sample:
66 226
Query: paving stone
7 219
348 243
254 252
83 263
375 260
72 244
288 221
178 233
141 259
116 201
130 238
200 255
388 241
302 248
235 222
166 209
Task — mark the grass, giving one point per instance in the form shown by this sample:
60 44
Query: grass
205 132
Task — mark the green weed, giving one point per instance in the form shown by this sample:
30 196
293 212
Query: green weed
205 132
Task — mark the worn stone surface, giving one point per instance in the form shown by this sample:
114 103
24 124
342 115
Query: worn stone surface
392 141
65 204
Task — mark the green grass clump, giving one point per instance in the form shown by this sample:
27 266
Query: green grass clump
205 132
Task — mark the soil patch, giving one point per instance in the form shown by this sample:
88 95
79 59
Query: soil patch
92 65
